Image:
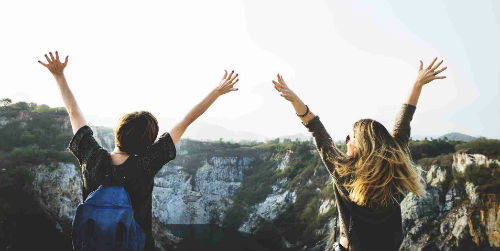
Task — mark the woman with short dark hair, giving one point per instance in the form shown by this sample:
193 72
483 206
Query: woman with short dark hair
137 156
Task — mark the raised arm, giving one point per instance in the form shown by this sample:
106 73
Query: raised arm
324 143
402 126
226 85
56 67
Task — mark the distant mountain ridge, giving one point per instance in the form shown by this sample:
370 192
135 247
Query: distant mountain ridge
456 136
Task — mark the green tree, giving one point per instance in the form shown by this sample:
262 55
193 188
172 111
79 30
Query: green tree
5 102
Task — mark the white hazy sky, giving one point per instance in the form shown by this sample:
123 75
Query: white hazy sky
346 59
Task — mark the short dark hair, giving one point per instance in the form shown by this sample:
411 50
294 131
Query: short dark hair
136 131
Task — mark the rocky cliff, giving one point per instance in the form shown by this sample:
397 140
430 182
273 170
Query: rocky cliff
278 193
455 213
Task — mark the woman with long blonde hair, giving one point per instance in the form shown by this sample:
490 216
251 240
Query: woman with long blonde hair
372 178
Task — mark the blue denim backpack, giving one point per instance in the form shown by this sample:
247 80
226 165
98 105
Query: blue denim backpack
105 221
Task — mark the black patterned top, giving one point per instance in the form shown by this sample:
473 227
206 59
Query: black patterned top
370 228
136 173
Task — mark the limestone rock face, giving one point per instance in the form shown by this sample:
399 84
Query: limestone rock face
3 121
490 219
202 198
463 160
326 205
453 215
269 209
104 137
285 161
57 188
437 175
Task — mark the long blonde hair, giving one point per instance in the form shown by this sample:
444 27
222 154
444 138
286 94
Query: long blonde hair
380 169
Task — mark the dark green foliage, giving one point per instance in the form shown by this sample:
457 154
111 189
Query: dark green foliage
431 148
486 177
253 190
299 222
33 134
305 165
488 147
22 176
443 160
306 176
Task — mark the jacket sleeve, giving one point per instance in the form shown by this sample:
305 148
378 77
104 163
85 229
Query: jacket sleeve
401 131
327 150
157 155
83 145
91 156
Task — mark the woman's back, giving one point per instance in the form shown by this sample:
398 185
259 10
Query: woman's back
136 172
374 228
364 227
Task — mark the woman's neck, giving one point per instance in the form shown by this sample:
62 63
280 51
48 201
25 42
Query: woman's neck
117 151
118 157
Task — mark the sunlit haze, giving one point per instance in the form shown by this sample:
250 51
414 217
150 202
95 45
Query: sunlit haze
346 60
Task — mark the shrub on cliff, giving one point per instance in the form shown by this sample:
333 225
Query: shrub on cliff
488 147
486 177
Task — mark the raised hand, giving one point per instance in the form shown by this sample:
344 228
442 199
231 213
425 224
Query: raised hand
429 74
227 83
55 66
284 90
300 108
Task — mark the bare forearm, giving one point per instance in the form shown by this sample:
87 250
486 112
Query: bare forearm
414 95
75 115
192 115
201 107
300 108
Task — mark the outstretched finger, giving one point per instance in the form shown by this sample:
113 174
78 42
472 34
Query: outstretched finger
46 65
421 65
438 77
435 67
230 74
66 60
234 89
48 60
280 79
234 77
430 66
57 55
225 75
444 68
52 56
235 82
277 84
